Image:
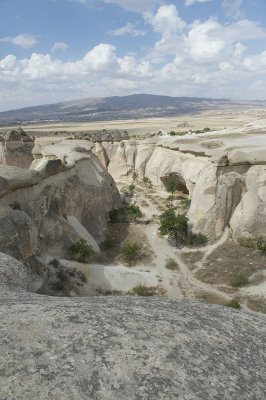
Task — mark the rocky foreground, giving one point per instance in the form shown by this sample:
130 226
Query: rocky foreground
124 348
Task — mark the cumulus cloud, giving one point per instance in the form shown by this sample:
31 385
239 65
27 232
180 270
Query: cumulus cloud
25 40
127 29
190 2
204 58
59 46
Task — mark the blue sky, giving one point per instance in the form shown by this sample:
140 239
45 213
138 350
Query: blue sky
59 50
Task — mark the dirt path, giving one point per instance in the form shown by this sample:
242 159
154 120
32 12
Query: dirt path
181 283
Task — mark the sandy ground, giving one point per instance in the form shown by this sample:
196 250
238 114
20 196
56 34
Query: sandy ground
217 119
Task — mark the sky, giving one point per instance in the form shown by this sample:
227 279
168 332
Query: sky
61 50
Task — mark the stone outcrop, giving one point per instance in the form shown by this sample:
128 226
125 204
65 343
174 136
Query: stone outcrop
138 348
223 172
16 148
65 195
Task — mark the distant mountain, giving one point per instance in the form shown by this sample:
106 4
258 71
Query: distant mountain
122 107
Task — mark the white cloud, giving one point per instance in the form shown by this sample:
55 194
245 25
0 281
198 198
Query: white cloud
25 40
166 20
232 8
127 29
190 2
59 46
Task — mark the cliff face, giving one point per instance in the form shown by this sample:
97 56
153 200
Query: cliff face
223 172
65 195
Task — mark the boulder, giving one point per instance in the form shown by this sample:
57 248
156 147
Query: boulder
16 149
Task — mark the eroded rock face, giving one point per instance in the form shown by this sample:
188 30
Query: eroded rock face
216 169
64 196
138 348
16 148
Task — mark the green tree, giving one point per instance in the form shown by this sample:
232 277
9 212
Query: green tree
174 225
171 185
82 250
134 211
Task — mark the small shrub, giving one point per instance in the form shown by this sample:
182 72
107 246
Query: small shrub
262 247
142 290
196 239
170 198
233 304
247 241
130 251
114 215
82 250
171 264
134 211
146 181
108 243
186 203
131 188
135 175
238 280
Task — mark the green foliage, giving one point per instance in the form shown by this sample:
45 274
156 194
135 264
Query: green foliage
171 185
238 280
254 242
114 215
186 203
171 264
131 188
142 290
146 181
170 198
82 250
135 175
130 251
134 211
233 304
175 226
197 239
108 243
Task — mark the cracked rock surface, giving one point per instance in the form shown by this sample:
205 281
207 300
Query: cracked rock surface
124 347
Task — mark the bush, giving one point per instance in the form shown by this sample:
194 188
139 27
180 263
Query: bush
197 239
108 243
233 304
238 280
175 226
130 251
146 181
114 215
135 175
142 290
82 250
131 188
134 211
171 264
186 203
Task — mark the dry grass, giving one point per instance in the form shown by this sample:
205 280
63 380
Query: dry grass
231 260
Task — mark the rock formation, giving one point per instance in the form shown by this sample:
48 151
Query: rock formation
65 195
130 348
223 172
16 148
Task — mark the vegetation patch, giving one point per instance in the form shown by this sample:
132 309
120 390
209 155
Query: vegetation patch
108 243
130 251
171 264
237 280
134 211
233 304
81 250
